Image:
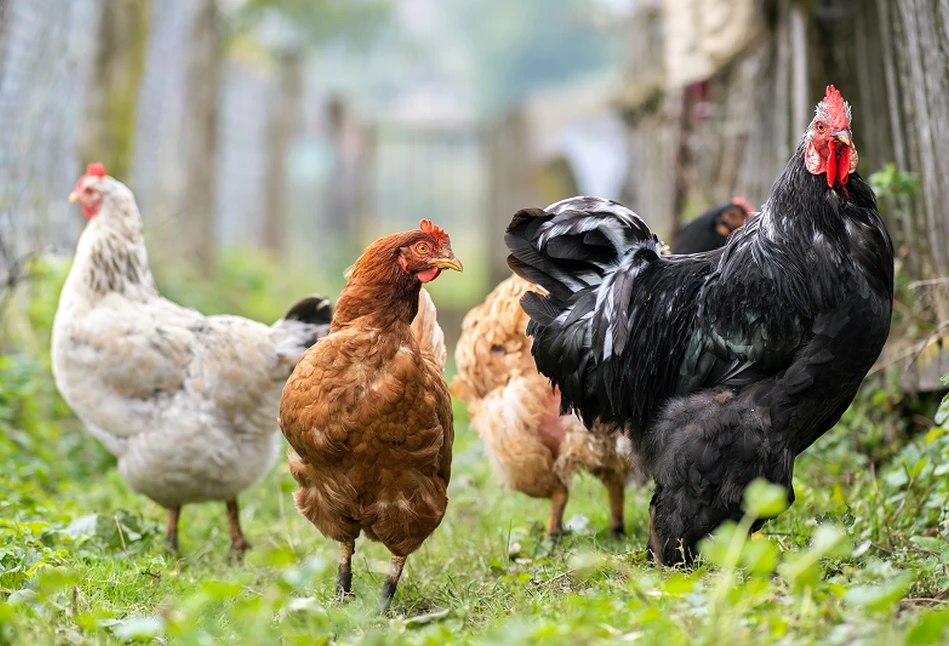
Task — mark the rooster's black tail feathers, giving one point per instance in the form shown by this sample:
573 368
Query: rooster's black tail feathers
570 245
573 249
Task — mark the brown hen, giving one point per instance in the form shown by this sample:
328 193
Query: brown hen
534 449
368 414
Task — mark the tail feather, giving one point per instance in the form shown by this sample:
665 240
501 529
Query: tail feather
428 333
306 322
570 245
573 250
313 309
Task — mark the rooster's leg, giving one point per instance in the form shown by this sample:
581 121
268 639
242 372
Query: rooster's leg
616 489
392 580
172 538
239 544
344 580
558 503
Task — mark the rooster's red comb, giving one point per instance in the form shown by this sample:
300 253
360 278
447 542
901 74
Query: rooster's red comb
838 111
96 169
433 230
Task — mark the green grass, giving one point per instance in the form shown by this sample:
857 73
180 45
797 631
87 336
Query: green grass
861 558
487 575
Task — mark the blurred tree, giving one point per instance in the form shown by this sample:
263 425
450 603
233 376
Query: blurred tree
284 124
314 22
290 28
3 30
108 133
529 44
205 61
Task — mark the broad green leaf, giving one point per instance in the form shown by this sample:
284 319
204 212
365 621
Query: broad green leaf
942 413
882 597
928 629
760 556
140 629
764 499
715 547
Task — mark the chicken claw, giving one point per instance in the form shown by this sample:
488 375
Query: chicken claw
171 540
344 579
239 544
392 580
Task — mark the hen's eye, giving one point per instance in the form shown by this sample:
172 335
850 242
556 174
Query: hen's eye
820 127
422 248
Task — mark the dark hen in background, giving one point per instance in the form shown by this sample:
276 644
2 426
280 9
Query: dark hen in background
724 365
711 229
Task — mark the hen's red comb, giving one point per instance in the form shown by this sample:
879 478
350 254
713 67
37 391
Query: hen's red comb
835 105
96 169
433 230
738 201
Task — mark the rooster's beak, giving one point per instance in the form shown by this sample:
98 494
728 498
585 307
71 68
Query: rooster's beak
448 263
73 197
843 137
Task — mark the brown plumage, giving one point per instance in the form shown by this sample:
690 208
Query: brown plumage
532 447
368 415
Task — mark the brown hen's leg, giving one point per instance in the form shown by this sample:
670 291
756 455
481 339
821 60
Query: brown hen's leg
558 504
344 579
616 489
172 538
392 580
239 544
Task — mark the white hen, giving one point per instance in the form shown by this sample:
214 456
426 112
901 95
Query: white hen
188 403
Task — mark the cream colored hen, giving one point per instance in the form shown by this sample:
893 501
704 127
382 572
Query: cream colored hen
188 403
534 448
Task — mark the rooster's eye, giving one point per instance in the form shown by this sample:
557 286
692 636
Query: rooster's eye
422 248
820 127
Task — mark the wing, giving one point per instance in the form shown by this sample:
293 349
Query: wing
125 367
494 347
118 365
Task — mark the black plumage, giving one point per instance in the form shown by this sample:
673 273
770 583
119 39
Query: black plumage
724 365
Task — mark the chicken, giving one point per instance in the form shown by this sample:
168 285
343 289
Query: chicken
367 410
512 407
710 230
721 366
186 402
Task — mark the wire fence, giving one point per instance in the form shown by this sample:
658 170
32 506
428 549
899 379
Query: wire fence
46 49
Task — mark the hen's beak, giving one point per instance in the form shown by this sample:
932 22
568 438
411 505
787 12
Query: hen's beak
843 137
73 197
447 263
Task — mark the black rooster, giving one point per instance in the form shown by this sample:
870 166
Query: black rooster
724 365
711 229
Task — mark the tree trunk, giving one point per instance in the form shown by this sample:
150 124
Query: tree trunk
4 19
201 129
284 125
511 186
108 134
680 188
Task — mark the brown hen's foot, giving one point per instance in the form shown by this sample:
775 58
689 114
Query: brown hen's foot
171 540
344 579
239 544
392 581
616 489
558 504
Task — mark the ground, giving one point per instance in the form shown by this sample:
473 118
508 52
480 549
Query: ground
861 557
82 562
